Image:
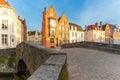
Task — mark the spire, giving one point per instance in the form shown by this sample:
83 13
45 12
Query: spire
3 2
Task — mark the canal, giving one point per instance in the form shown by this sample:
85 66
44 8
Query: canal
6 76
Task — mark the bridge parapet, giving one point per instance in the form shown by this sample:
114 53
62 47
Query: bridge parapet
94 45
51 69
43 63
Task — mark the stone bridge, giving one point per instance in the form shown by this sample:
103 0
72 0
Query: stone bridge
40 62
86 61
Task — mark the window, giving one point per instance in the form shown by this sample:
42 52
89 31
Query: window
51 46
66 29
81 34
63 35
52 22
51 40
12 40
5 13
71 27
75 34
59 28
63 23
4 24
63 29
67 35
72 34
4 39
52 33
60 35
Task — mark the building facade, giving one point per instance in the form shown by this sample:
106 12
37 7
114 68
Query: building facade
11 26
24 29
76 33
116 36
35 37
109 30
63 30
49 28
56 31
94 33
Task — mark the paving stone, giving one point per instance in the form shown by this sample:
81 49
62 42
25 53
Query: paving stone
86 64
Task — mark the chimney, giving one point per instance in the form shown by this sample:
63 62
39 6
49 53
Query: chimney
45 9
85 27
96 24
101 24
44 12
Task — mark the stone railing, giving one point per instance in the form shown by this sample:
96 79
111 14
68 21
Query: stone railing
94 45
43 63
51 69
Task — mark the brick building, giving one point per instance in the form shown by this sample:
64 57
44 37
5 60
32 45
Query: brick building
49 28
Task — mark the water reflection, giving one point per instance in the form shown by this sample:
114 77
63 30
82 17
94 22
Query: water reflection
6 78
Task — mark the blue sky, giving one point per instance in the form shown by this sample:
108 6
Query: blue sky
81 12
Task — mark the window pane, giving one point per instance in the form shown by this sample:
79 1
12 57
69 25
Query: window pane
4 39
51 40
4 24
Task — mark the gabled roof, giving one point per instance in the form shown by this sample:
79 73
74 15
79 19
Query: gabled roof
59 18
63 15
3 2
31 33
103 27
112 27
91 27
79 28
51 7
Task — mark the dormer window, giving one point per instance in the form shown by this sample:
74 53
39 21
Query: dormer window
4 24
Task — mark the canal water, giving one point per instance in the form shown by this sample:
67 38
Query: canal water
6 78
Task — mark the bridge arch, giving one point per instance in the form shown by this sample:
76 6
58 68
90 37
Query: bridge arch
22 70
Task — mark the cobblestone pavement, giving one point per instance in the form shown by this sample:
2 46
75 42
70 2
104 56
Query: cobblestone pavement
86 64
